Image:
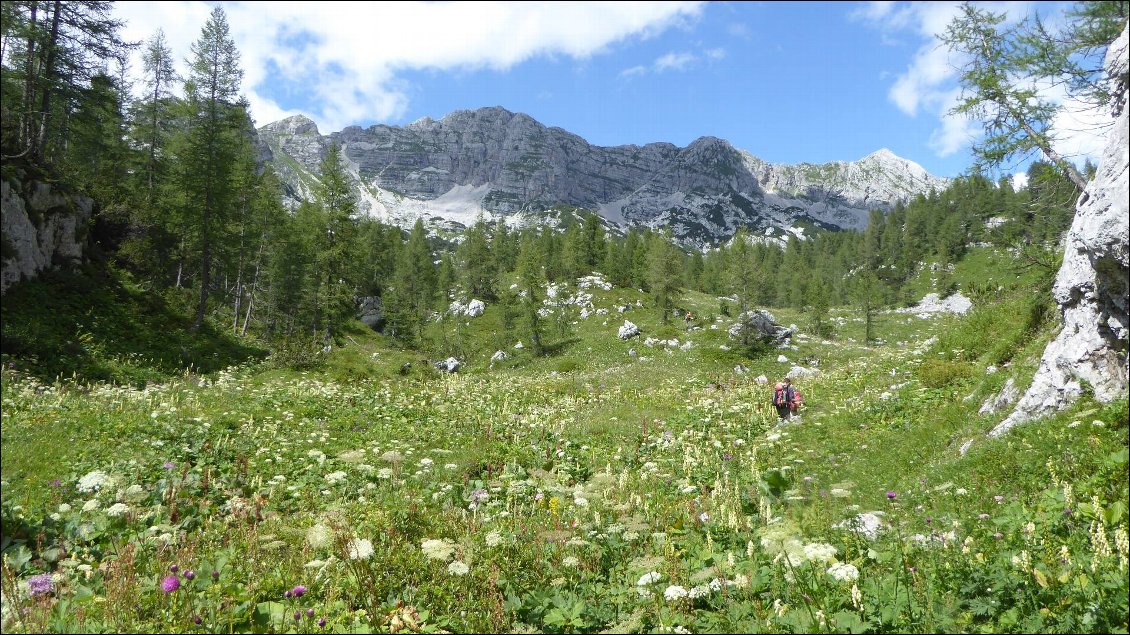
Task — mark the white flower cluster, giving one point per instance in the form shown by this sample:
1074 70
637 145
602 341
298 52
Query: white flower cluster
360 549
675 592
458 568
93 481
494 539
648 578
117 509
319 537
438 549
843 572
819 552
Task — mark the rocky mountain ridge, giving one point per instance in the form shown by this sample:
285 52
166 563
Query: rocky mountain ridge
502 164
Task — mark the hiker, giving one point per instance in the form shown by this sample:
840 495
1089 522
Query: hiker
688 320
793 397
781 399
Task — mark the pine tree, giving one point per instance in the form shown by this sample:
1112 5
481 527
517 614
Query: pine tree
531 281
743 278
868 294
52 50
665 272
478 266
336 244
215 118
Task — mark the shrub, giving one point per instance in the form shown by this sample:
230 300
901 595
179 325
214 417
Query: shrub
939 373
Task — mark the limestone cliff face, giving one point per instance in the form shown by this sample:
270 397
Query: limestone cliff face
43 226
1091 287
502 164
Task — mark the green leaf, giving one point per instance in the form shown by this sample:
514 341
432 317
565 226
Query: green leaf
850 622
267 613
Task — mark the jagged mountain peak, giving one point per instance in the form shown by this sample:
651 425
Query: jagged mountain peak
295 124
499 163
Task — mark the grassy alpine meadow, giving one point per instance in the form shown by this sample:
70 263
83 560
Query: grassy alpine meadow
610 486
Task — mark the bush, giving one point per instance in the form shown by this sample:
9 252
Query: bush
296 355
939 373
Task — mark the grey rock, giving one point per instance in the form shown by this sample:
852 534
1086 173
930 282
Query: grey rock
628 330
474 308
370 312
1003 399
1091 287
761 325
449 365
43 227
800 372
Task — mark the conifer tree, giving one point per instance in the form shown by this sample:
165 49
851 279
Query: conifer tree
336 245
531 281
868 295
477 264
665 272
216 115
743 278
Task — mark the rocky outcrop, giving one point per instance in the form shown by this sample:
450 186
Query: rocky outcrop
1091 287
43 227
759 325
371 312
497 163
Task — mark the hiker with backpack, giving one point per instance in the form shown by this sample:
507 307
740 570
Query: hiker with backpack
786 399
795 399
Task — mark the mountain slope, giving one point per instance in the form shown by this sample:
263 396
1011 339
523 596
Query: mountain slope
503 164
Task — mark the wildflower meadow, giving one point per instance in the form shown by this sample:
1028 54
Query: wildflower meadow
619 487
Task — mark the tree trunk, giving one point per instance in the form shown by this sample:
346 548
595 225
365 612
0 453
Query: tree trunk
48 71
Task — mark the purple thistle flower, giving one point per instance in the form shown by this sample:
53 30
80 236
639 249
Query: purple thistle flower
173 568
286 594
56 483
727 456
196 620
309 612
170 584
321 622
190 574
41 584
169 465
215 574
298 591
891 495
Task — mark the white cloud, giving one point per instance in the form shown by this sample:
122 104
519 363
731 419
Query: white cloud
1019 181
633 71
350 54
674 61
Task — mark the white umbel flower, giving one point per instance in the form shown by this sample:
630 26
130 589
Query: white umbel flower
117 509
360 549
458 568
92 481
675 592
843 572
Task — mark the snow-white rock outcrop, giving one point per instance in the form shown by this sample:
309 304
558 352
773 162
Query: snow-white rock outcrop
1091 287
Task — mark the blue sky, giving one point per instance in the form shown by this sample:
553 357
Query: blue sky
789 82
